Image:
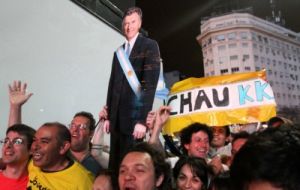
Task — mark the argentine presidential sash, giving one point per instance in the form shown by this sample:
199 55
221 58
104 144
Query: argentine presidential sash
161 90
129 72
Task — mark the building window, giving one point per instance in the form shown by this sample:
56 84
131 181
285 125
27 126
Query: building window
233 57
257 68
270 72
260 38
255 46
222 60
221 47
247 68
212 73
232 36
271 83
232 45
246 57
254 36
255 58
235 69
209 41
267 50
223 71
244 44
220 37
244 35
262 60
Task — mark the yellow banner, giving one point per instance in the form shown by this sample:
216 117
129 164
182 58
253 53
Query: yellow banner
220 100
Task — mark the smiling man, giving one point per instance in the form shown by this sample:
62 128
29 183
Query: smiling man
15 156
51 167
220 144
196 140
82 129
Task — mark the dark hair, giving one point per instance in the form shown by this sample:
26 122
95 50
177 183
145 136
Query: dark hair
187 132
221 182
198 167
161 167
63 133
90 117
227 129
240 135
23 130
270 156
278 121
132 10
106 172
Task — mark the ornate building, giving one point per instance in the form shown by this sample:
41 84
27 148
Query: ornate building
240 42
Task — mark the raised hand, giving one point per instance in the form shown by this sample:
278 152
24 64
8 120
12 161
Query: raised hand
17 93
150 120
162 116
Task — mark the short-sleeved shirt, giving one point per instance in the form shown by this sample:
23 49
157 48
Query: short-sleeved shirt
73 177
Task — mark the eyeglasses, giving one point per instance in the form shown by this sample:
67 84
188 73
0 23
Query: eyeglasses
80 126
15 141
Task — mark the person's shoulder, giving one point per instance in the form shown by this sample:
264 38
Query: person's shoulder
90 161
80 170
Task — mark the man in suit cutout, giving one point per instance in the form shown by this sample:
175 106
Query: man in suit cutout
125 114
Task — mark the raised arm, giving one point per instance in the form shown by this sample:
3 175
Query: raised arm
161 117
17 97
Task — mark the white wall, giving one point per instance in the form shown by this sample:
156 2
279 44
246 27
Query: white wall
61 51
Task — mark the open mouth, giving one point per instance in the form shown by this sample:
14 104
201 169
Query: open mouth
129 188
36 156
8 153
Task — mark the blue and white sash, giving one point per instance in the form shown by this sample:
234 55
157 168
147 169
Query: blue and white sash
129 72
161 90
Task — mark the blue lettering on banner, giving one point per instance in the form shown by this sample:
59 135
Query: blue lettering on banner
255 92
243 94
260 93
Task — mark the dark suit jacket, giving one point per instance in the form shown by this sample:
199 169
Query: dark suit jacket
123 105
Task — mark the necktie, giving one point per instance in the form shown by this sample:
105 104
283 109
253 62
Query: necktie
128 50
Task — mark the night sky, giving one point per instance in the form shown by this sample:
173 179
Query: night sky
176 24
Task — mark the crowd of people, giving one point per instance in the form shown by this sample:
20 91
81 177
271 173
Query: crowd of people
56 156
59 157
